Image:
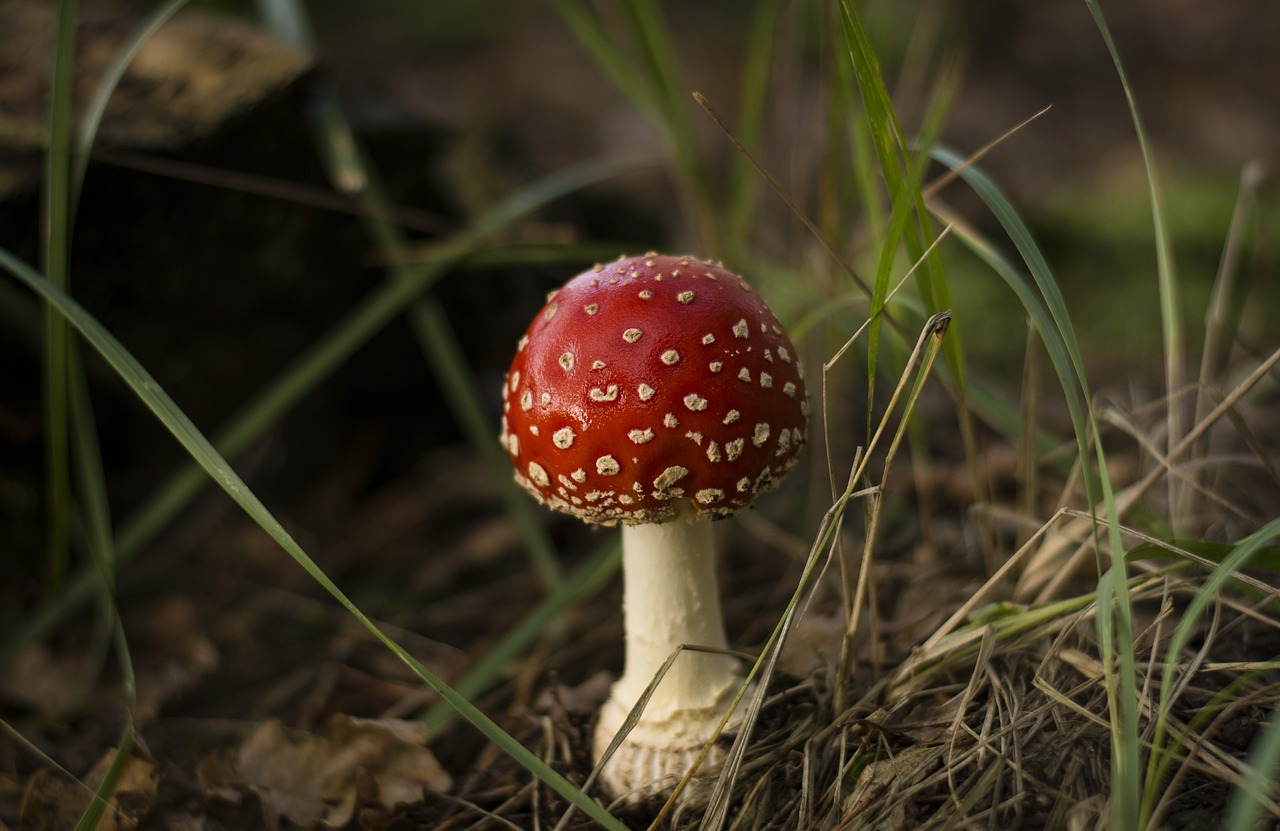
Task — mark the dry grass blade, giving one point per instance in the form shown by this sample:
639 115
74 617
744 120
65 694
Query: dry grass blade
777 188
1026 741
408 217
937 185
830 363
766 744
993 583
1052 566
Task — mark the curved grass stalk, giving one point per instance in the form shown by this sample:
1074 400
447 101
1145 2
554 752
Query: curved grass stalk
1048 311
87 132
293 383
212 462
590 577
93 489
1170 312
71 435
903 183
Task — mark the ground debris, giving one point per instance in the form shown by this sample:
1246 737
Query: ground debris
884 777
322 779
54 800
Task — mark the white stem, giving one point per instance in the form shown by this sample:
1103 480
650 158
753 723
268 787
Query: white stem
670 598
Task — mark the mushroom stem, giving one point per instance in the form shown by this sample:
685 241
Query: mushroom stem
670 598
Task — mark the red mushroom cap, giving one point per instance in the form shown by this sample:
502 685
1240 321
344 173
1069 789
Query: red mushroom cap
648 381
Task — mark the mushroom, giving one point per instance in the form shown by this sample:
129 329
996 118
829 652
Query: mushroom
659 393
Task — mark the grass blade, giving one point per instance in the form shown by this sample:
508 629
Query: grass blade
97 106
203 452
643 66
589 578
1170 305
257 415
431 326
886 138
1162 752
1044 303
1049 314
56 252
744 182
903 171
1259 780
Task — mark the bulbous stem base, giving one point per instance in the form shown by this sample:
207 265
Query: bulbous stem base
670 598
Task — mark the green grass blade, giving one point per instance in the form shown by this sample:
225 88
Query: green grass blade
1044 302
98 804
603 48
249 423
1245 812
661 64
848 115
905 205
886 138
97 523
57 452
1170 313
203 452
744 181
431 326
1115 617
902 172
543 253
87 132
1210 551
301 376
641 63
1162 752
1040 316
885 132
542 192
56 248
584 582
92 481
444 355
95 510
1115 637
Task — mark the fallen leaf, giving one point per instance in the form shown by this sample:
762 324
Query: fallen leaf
322 779
48 682
54 800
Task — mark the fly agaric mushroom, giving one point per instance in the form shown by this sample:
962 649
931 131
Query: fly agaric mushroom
658 393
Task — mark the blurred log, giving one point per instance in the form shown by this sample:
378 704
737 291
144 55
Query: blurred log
195 74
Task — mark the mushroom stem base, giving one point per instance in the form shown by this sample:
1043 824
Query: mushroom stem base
670 599
656 755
